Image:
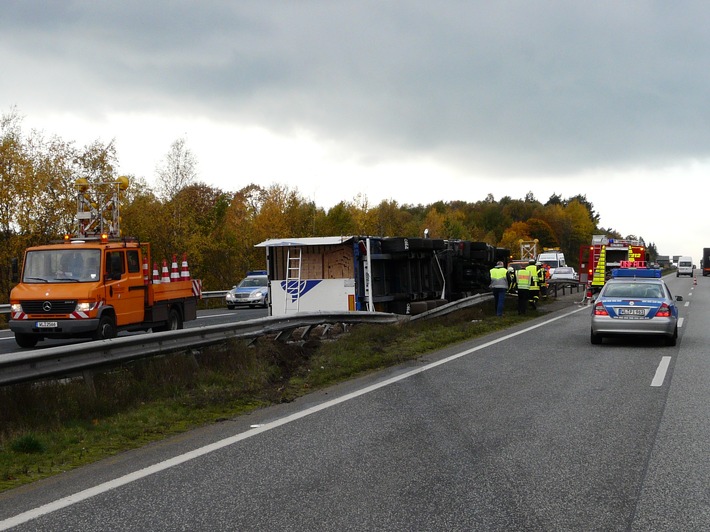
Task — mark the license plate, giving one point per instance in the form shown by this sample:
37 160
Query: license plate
632 312
46 324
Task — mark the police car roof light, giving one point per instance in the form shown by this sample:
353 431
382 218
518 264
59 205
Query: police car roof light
640 273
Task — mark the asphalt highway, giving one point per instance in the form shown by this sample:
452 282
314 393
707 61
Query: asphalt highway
532 428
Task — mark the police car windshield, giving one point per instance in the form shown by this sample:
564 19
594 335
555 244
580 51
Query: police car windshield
633 290
253 281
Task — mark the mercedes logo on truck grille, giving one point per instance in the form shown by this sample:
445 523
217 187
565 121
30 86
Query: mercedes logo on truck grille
47 306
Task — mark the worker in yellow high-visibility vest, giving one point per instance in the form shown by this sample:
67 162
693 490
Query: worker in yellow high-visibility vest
534 293
499 285
522 277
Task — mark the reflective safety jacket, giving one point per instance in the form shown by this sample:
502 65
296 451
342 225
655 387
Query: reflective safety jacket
523 277
498 277
533 277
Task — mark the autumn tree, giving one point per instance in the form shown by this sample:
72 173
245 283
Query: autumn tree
512 236
340 220
391 220
177 170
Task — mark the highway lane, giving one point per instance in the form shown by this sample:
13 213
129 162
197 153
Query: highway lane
204 317
676 491
528 429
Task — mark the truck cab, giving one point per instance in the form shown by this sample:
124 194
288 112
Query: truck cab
78 288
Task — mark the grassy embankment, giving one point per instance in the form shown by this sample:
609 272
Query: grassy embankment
53 427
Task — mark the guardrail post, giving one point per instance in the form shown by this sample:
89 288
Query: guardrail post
283 336
306 332
88 376
192 357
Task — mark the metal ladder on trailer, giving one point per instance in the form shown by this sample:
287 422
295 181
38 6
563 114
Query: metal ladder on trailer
293 281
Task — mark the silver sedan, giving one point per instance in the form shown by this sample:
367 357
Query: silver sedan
640 306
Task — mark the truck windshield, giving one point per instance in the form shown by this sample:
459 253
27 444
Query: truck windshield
62 266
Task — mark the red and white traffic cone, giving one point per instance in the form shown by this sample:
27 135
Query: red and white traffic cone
156 274
146 278
174 273
184 270
166 274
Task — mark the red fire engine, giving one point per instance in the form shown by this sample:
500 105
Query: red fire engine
597 261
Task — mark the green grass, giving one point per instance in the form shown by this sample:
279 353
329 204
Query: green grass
52 427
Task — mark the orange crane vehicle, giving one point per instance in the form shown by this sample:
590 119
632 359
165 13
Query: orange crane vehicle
597 261
96 283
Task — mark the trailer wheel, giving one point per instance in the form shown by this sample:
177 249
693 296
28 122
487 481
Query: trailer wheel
26 340
106 328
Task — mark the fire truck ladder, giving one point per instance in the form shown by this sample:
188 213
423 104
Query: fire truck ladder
293 282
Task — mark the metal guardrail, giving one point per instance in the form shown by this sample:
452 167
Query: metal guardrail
66 360
71 359
555 286
214 294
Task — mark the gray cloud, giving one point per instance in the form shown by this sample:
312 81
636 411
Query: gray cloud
505 87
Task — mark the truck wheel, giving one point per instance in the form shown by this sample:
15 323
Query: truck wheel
26 340
106 328
174 322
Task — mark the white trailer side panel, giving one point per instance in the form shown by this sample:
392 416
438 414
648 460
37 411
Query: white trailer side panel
315 295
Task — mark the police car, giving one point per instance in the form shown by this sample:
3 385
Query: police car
252 291
635 301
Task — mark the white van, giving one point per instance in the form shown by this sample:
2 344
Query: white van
553 259
685 266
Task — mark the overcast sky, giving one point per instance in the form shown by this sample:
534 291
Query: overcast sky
414 101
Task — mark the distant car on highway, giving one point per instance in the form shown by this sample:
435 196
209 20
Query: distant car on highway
564 273
635 302
252 291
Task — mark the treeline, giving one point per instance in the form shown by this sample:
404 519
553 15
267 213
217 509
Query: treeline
218 229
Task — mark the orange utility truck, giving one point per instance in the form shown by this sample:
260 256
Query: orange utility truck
95 283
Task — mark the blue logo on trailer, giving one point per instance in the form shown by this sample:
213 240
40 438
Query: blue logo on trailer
294 289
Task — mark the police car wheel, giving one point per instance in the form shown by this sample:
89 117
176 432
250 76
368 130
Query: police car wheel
596 339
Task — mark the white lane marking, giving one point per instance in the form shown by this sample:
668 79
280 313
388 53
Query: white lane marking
661 371
258 429
687 304
680 322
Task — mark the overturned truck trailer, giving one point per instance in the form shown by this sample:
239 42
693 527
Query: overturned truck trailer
398 275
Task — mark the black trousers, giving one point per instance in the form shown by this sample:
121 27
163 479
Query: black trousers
523 296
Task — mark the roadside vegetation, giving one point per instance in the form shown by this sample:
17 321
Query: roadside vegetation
218 229
51 427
